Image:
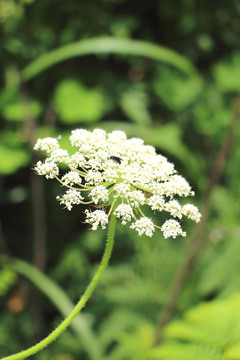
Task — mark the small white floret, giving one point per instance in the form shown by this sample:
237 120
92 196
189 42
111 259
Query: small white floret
94 164
96 218
60 155
47 144
156 202
98 139
47 168
93 177
79 137
144 226
124 212
99 194
177 185
77 160
136 198
174 208
172 228
71 178
191 212
117 136
70 198
121 189
110 175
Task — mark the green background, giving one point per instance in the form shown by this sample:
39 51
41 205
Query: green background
165 71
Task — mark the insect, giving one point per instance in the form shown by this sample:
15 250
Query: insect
115 158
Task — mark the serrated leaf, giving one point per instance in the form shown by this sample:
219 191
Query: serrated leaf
178 351
207 331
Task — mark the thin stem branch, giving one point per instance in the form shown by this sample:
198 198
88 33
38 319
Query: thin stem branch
83 300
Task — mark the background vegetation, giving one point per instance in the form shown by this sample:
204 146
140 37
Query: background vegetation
166 71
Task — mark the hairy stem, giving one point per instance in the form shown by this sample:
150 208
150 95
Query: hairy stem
84 298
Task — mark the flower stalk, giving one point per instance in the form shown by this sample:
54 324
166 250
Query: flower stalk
79 306
121 178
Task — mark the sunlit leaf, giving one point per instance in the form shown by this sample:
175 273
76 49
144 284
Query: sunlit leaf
14 108
134 103
107 45
19 112
7 279
210 331
227 73
12 159
233 353
75 103
176 90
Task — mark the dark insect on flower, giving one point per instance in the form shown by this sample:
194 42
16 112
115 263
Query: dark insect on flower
115 158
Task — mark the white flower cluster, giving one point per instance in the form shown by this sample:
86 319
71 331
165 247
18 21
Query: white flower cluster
144 226
122 174
124 212
71 178
95 218
70 198
47 168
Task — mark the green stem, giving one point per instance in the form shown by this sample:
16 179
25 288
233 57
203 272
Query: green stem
84 298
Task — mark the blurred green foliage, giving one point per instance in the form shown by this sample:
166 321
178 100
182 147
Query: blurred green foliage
75 103
208 331
168 74
7 279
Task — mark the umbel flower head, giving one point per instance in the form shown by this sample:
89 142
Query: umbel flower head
113 174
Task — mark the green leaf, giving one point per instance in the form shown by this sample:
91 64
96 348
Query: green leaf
13 108
75 103
211 114
233 353
7 279
134 103
210 331
12 159
178 351
227 73
107 45
176 90
19 112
